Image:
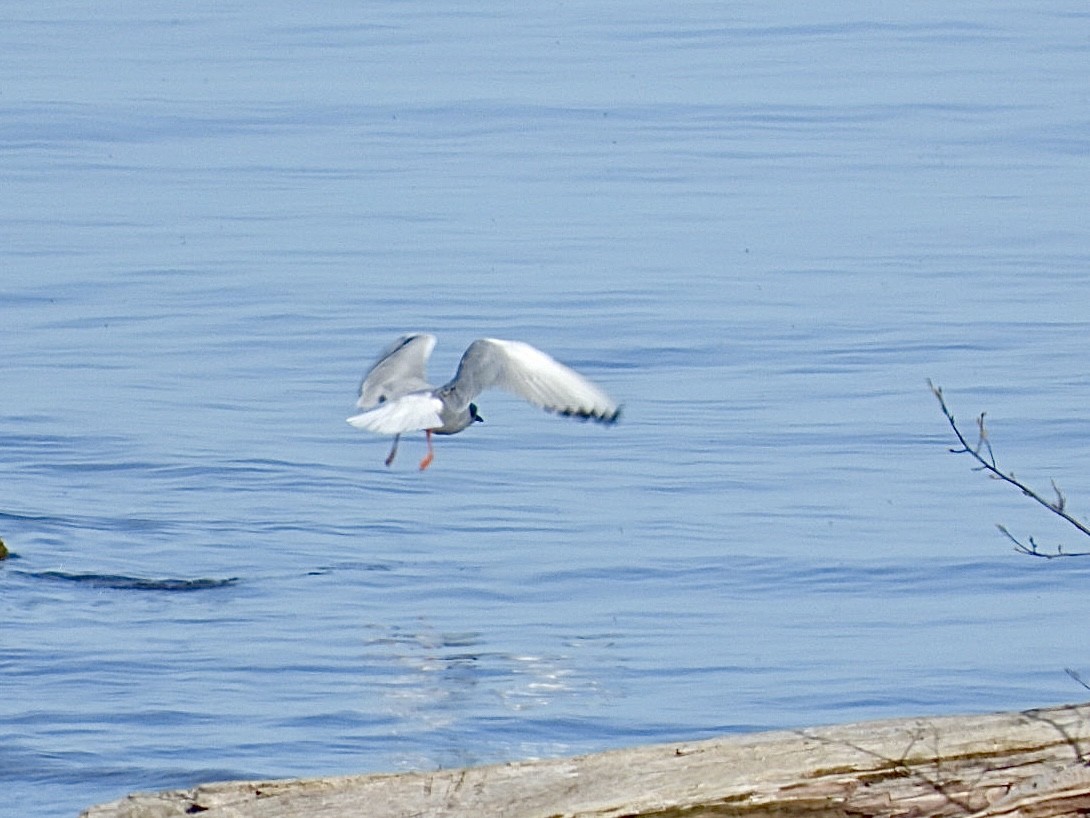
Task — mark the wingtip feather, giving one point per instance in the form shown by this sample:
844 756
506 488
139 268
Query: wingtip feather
607 417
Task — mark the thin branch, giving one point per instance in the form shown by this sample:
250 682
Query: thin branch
1074 675
1034 550
982 453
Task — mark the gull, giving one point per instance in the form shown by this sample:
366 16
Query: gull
397 398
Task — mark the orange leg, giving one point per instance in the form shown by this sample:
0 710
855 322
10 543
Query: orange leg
431 453
393 451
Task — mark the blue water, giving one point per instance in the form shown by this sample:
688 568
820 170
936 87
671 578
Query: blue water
762 228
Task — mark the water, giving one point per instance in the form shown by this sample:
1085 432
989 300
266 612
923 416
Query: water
761 228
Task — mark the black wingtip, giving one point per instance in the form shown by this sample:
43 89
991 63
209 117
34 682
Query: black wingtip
605 418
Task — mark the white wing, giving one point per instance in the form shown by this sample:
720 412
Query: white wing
409 413
532 375
399 369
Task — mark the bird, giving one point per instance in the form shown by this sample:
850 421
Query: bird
396 398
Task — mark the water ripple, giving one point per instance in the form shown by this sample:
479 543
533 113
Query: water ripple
119 582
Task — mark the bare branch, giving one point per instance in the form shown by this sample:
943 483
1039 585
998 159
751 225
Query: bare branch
1034 550
1074 675
988 464
1061 501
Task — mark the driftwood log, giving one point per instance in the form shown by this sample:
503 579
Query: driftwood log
1031 763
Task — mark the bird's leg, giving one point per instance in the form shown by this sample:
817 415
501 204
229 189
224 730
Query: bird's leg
393 450
430 455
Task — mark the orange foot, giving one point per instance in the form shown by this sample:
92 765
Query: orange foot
430 455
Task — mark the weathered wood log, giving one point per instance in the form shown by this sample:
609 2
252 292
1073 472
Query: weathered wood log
1031 764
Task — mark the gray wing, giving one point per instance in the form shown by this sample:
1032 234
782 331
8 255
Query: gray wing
400 369
531 374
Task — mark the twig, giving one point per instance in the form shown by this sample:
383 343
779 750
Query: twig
988 464
1034 550
1074 675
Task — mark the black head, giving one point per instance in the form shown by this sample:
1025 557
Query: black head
473 414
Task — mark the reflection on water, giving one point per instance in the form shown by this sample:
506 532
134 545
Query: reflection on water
434 677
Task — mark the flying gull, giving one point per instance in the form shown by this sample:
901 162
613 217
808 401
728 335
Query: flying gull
397 398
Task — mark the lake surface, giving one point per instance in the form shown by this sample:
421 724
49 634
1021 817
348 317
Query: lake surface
761 228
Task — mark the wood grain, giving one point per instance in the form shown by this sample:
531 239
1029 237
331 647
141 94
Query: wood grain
1030 763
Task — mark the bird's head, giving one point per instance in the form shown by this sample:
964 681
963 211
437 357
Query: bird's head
473 416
